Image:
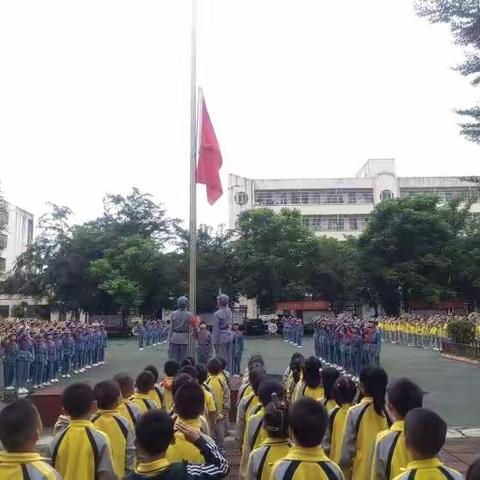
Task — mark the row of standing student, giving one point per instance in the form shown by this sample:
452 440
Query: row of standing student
121 429
334 430
279 441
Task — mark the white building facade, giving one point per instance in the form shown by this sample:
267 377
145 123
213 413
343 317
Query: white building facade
16 235
338 207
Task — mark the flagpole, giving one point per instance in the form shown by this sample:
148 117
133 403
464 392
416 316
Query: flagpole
192 294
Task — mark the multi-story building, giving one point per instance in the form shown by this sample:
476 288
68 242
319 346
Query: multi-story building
338 207
16 233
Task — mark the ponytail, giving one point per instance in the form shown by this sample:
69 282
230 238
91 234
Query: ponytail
374 381
329 377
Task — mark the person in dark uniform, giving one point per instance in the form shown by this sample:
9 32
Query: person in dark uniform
221 331
178 333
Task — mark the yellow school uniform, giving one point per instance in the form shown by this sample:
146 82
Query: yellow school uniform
335 430
90 448
121 437
306 464
18 466
429 469
143 402
361 428
183 450
390 454
262 459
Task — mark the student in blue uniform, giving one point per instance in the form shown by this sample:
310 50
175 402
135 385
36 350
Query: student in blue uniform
39 360
24 358
68 352
58 355
10 352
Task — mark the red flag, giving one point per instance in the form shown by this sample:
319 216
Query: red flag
209 158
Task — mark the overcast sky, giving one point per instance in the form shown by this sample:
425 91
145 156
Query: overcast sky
94 95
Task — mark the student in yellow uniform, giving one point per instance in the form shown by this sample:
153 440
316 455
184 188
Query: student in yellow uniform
189 403
210 410
329 377
293 374
20 430
156 393
255 361
108 420
180 380
274 447
255 434
81 451
306 460
144 385
311 386
154 433
390 455
248 403
425 434
344 393
221 395
363 423
127 409
170 368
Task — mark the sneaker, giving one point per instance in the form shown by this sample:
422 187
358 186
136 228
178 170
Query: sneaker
67 375
88 367
75 372
141 348
47 384
82 370
63 376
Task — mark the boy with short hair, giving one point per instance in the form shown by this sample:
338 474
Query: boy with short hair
306 459
171 368
20 429
390 455
127 409
81 451
144 385
109 421
189 404
425 434
156 393
154 433
221 395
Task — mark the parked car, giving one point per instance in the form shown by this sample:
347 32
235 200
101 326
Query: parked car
254 326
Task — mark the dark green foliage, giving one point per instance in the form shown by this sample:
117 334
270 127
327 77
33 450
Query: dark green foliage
462 331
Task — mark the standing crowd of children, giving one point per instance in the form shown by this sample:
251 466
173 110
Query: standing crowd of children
36 353
314 424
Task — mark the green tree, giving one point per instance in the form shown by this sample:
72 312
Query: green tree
77 267
406 251
270 250
463 17
217 265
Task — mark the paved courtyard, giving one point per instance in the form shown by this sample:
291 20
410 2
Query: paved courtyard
453 388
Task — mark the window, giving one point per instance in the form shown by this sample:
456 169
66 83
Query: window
3 265
30 232
352 197
3 241
353 223
241 198
386 195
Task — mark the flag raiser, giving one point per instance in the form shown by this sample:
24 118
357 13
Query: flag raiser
209 157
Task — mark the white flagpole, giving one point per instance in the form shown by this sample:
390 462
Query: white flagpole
192 294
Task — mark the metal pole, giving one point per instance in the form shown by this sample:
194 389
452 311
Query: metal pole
193 166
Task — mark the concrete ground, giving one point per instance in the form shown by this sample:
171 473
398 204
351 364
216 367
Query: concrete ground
453 388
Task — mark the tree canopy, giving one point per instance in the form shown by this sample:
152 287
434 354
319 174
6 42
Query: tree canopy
134 258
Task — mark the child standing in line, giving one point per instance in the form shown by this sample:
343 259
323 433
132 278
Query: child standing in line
390 455
20 430
425 434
